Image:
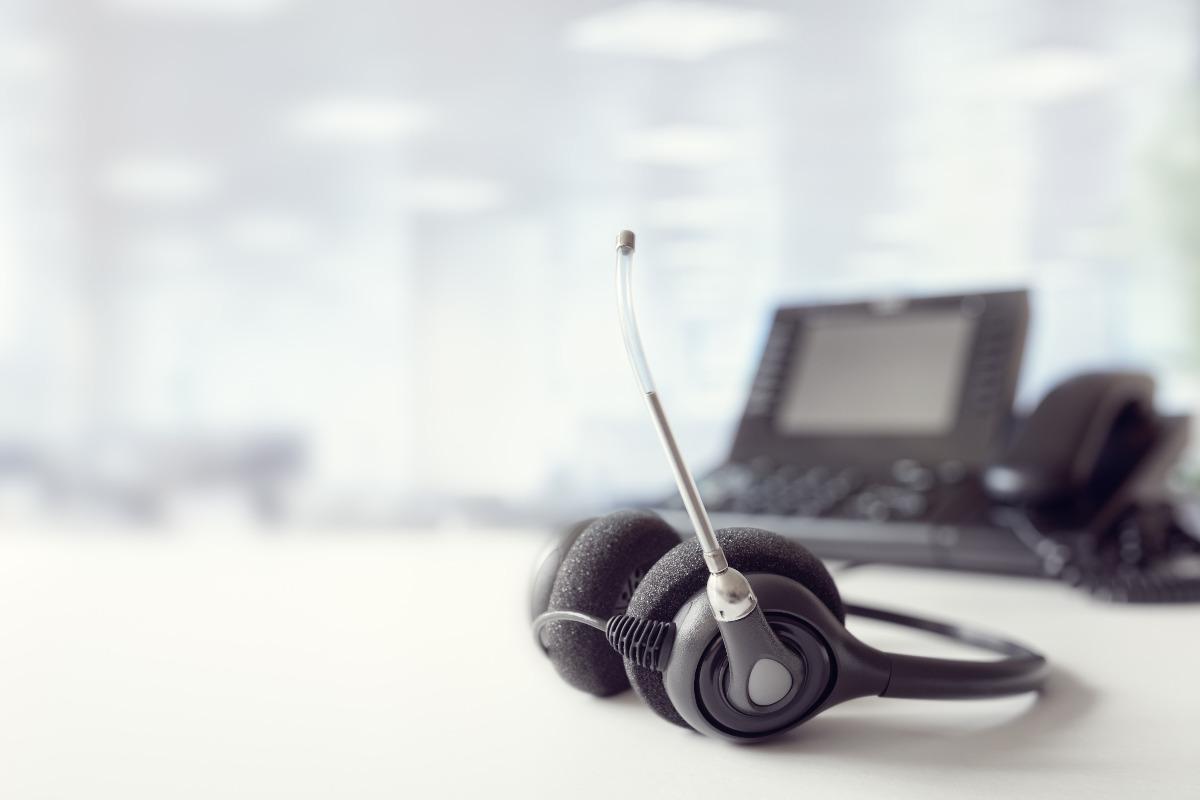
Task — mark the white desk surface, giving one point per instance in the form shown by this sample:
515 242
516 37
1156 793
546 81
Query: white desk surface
391 665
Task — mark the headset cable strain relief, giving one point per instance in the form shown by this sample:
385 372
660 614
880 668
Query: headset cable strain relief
645 642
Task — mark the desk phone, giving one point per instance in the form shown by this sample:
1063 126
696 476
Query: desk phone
885 432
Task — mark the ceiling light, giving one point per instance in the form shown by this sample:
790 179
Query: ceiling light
1050 74
679 145
159 179
672 29
358 120
452 195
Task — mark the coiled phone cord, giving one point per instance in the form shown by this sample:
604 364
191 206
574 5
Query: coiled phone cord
1172 577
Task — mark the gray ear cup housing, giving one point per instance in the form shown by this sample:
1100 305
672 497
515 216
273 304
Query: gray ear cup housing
596 577
681 573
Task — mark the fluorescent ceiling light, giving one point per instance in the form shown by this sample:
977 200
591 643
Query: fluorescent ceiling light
234 9
680 145
452 195
1050 74
672 29
358 120
159 179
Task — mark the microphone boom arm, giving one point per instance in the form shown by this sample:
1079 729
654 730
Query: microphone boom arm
728 590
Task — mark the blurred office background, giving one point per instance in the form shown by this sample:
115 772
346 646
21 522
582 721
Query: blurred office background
350 262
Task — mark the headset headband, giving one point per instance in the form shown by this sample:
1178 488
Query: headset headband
921 677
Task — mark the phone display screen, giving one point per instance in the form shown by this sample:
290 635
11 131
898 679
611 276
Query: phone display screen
871 375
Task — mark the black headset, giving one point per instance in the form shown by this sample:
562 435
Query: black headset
737 633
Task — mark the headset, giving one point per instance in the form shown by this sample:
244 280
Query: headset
737 633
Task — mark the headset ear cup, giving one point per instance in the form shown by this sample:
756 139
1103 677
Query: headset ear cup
681 574
597 577
548 562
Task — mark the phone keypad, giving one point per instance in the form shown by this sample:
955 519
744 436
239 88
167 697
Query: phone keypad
907 492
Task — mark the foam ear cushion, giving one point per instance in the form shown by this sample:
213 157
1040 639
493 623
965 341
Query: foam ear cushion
592 578
681 573
546 568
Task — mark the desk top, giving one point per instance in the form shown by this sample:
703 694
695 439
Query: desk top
314 665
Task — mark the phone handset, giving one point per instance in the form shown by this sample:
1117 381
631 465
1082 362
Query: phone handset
1080 443
1084 487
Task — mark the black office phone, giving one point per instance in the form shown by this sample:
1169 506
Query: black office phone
929 379
884 431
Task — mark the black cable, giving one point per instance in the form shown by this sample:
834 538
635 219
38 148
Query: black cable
1166 576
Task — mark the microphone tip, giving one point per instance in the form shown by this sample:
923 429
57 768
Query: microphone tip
625 239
